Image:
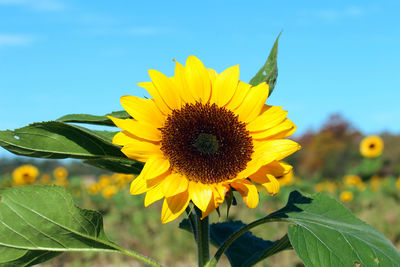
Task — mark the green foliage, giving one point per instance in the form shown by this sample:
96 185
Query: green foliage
321 231
324 233
94 119
58 140
269 72
248 249
38 220
127 166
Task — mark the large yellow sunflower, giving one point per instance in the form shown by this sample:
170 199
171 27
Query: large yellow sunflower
202 134
371 146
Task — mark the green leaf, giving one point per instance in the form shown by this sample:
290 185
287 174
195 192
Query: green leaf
127 166
94 119
244 251
269 72
39 222
248 249
324 233
27 257
57 140
36 221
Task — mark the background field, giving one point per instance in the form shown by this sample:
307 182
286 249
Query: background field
328 155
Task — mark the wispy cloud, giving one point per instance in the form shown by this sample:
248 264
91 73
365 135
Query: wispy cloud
130 31
39 5
15 40
334 15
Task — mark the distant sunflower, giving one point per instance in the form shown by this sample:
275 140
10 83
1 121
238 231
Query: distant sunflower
202 134
346 196
60 173
109 191
371 146
25 174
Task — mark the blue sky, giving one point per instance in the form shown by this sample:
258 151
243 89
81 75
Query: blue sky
59 57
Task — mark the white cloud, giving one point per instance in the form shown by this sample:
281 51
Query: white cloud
15 40
40 5
130 31
334 15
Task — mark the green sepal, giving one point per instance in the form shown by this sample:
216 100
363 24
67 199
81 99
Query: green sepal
269 72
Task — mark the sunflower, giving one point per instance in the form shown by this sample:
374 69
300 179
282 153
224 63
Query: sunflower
346 196
60 173
371 146
109 191
354 181
25 174
201 135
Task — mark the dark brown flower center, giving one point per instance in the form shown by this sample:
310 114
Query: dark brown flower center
206 143
372 146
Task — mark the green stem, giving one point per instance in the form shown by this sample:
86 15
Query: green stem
236 235
203 238
137 256
192 221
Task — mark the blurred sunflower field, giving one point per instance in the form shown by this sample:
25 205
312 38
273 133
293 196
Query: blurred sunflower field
362 172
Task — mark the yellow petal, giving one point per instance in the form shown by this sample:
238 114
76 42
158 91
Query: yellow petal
200 194
213 75
143 110
212 205
198 79
284 134
285 126
252 166
142 130
181 84
271 150
175 184
153 195
248 191
166 89
273 185
225 86
123 138
174 206
155 166
158 100
267 180
219 192
138 186
271 117
277 168
253 103
242 90
141 150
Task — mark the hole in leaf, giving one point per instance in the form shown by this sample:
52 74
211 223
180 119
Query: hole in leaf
265 73
16 137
